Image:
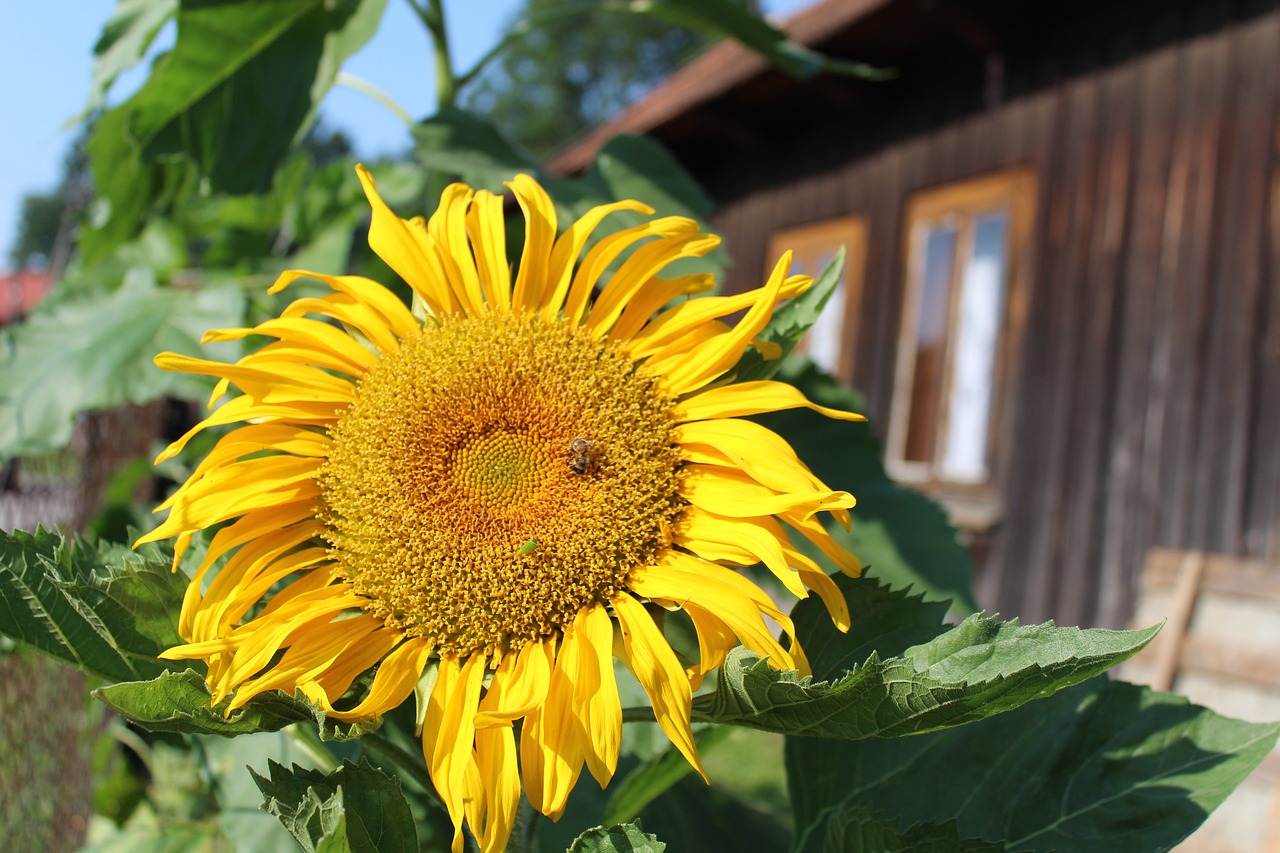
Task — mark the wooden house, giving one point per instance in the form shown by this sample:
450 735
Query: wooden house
1063 294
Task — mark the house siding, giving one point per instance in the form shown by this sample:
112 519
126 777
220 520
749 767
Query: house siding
1144 404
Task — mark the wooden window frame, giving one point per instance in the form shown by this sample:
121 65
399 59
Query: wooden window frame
973 505
813 238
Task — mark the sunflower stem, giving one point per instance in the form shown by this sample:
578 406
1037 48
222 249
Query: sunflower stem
432 14
524 834
640 714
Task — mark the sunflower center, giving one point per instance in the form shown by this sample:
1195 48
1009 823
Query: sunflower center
494 476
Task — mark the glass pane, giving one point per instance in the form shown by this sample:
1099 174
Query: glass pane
931 342
822 343
964 447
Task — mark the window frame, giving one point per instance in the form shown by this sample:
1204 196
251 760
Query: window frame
972 503
813 238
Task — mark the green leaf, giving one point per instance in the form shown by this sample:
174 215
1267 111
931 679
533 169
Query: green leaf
124 41
856 829
902 536
181 702
790 322
455 142
653 777
728 19
1105 765
97 353
357 808
628 838
240 87
975 670
639 167
106 611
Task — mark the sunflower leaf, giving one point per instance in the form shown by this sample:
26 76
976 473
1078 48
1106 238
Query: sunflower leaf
1102 765
629 837
181 702
234 62
104 610
124 41
854 829
790 322
97 352
979 668
355 808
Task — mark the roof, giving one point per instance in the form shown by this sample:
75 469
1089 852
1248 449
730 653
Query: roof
21 291
714 72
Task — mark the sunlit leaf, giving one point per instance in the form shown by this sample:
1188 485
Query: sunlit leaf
124 41
856 829
975 670
97 353
181 702
628 838
242 84
104 610
356 807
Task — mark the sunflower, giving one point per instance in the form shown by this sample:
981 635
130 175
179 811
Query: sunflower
498 499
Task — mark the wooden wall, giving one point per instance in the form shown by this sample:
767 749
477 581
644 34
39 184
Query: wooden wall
1145 404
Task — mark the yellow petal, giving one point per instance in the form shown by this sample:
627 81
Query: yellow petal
409 250
487 229
671 582
539 237
604 253
596 693
711 359
666 329
655 666
757 450
309 335
500 779
569 245
448 230
360 302
651 296
519 685
638 270
551 743
395 679
750 398
448 732
732 493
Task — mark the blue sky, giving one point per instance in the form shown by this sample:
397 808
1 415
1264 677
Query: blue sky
46 57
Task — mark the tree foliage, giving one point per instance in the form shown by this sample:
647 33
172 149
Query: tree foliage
575 70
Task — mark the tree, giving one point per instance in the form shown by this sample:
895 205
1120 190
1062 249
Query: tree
575 71
47 224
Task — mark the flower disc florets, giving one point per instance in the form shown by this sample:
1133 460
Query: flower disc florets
457 453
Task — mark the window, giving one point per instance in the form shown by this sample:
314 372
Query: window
813 246
966 255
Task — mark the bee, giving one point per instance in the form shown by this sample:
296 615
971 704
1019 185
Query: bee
581 458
